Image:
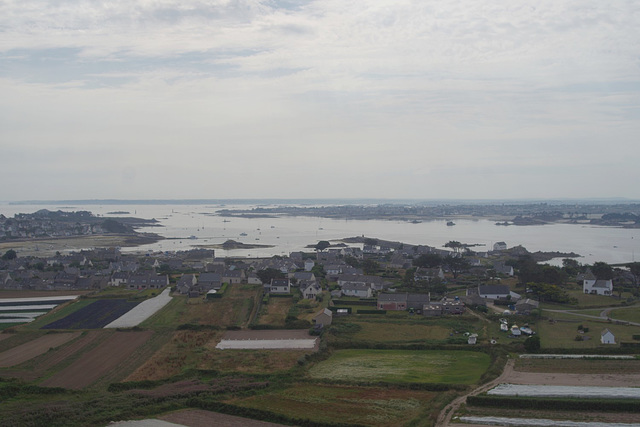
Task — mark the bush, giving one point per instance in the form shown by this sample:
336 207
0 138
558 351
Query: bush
532 344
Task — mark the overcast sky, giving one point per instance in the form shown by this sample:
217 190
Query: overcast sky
319 99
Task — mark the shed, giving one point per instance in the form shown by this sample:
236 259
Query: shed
607 337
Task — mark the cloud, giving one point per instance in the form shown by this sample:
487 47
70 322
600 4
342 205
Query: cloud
265 95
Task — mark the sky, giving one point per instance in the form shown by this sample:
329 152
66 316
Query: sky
319 99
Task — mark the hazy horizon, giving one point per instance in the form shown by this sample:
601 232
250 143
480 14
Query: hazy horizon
349 201
383 99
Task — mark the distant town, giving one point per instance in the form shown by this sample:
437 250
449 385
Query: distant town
184 335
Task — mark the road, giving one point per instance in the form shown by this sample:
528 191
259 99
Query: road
604 314
444 419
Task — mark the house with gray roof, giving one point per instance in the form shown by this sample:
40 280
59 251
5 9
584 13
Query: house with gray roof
360 290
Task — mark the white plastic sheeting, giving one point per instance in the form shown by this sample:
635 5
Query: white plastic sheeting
500 421
266 344
574 356
565 391
142 311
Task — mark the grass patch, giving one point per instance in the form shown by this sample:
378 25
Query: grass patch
403 366
380 332
563 334
349 405
275 312
629 314
250 361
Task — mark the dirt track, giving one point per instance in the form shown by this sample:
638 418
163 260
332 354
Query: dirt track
34 348
99 361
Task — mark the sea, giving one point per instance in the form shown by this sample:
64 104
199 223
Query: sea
187 226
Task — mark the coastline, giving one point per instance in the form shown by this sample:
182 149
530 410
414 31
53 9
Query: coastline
50 245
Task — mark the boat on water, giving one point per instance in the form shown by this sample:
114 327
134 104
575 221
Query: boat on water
243 234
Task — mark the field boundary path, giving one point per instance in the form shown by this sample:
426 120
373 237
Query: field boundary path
604 314
444 418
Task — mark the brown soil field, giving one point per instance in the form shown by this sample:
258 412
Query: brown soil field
200 418
99 361
578 366
605 373
180 352
51 359
5 336
34 348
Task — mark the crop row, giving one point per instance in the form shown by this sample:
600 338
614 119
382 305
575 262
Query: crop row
95 315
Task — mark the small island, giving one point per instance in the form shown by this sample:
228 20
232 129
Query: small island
232 244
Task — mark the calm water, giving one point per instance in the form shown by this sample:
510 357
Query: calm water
287 234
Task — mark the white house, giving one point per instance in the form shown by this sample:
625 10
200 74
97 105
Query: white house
280 286
310 290
499 246
359 290
607 337
494 291
597 287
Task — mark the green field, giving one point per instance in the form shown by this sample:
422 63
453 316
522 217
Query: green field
352 405
563 334
403 366
630 314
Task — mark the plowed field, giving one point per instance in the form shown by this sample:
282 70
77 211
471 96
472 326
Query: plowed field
99 361
34 348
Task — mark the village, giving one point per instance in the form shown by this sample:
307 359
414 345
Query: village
345 312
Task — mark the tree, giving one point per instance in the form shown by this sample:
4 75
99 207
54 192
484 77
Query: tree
532 344
602 270
408 279
369 266
455 245
322 245
571 266
9 255
352 261
267 274
456 265
427 261
634 268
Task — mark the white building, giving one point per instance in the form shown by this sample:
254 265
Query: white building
607 337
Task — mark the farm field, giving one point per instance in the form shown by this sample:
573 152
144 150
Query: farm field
578 366
37 367
34 348
564 333
95 315
394 332
565 372
198 417
403 366
275 312
98 361
630 314
353 405
235 308
141 312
